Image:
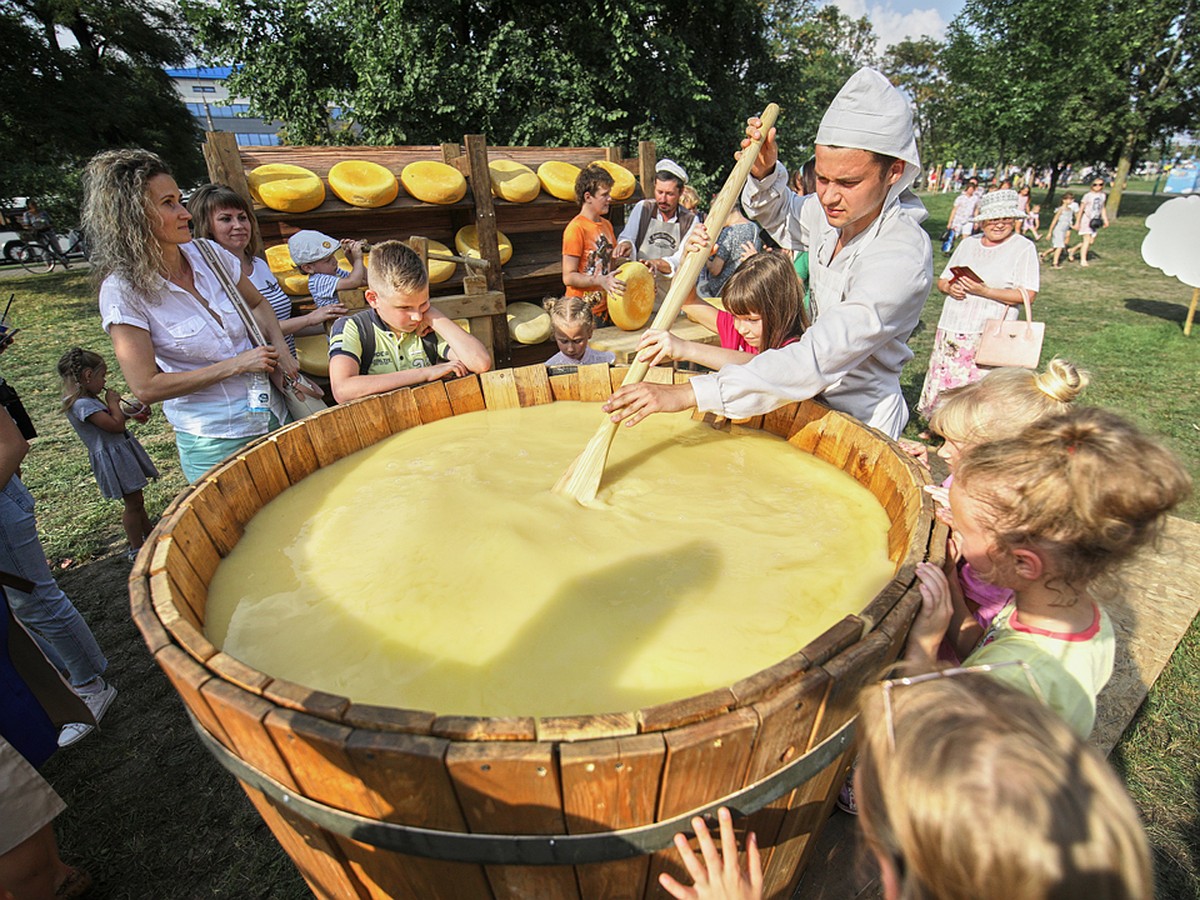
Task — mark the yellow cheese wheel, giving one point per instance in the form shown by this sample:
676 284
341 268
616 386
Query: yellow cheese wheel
528 324
312 351
279 260
439 269
286 188
632 309
434 182
294 283
558 178
513 182
467 242
344 261
623 180
362 183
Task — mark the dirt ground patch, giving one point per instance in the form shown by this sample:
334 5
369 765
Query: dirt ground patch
150 813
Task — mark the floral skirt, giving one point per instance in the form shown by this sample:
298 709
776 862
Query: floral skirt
951 365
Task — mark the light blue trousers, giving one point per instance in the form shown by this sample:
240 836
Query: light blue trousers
47 612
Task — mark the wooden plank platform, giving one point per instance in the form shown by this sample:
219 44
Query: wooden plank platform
623 343
1159 602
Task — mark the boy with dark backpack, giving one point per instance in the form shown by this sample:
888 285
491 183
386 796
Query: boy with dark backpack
400 339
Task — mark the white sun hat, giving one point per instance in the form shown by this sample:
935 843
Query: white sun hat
999 205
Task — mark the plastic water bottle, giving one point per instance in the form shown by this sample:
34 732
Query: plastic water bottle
259 394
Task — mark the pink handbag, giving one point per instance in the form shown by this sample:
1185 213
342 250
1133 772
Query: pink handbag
1011 342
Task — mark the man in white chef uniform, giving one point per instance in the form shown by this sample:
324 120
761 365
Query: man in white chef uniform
871 267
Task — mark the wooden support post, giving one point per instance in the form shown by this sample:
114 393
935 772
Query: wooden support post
616 213
452 155
647 163
224 161
485 226
1187 325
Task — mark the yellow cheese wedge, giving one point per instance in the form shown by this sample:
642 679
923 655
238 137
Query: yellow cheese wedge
558 178
513 182
439 269
632 309
623 180
312 351
294 283
528 324
362 183
434 182
467 242
286 188
279 260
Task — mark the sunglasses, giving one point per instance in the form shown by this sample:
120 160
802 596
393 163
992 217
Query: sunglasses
1097 184
892 683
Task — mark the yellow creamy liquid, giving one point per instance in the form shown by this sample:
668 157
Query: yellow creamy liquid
436 570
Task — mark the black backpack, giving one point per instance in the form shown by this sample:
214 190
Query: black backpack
364 321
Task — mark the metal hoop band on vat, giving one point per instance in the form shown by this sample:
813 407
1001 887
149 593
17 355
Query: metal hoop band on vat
529 849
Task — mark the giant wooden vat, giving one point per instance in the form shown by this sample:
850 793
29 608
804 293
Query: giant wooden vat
420 781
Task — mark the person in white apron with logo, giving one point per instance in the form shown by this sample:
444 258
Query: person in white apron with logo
871 268
658 227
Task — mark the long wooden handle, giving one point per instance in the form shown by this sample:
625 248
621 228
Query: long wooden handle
694 260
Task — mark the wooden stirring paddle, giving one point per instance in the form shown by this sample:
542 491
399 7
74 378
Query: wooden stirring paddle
581 480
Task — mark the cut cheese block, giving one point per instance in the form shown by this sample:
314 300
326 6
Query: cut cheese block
467 242
279 260
434 182
294 283
623 180
528 324
286 188
439 269
312 351
632 309
558 178
362 183
513 182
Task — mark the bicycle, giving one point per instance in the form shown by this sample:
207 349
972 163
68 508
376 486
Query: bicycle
39 257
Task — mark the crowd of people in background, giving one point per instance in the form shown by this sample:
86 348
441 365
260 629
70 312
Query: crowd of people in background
813 288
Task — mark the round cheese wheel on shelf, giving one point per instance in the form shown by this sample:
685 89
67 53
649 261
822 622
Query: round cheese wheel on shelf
279 260
344 261
513 181
631 310
434 182
312 352
467 242
286 188
294 283
558 179
623 180
362 183
440 269
527 323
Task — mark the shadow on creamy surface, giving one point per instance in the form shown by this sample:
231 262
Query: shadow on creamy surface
436 570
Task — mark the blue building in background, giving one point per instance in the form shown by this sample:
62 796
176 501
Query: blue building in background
203 91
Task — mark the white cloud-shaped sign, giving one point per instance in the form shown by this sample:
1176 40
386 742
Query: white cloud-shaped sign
1172 242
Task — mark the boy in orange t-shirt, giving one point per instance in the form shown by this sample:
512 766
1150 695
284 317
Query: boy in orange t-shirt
588 243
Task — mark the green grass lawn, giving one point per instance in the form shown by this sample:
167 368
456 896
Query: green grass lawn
1119 319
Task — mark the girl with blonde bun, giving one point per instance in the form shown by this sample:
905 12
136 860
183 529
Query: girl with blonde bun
999 406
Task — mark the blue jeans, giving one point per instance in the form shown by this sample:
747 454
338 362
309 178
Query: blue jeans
47 612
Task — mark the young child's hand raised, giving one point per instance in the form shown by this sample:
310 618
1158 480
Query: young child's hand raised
933 618
719 877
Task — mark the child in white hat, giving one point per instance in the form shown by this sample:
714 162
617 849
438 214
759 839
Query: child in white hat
313 252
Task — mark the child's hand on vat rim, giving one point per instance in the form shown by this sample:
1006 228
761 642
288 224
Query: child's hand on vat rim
719 877
933 618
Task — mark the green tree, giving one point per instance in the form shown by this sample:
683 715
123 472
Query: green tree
401 72
80 77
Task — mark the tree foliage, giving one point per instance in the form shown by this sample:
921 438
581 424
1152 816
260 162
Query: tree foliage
683 74
915 66
80 76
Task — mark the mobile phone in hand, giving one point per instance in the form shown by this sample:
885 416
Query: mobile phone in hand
964 272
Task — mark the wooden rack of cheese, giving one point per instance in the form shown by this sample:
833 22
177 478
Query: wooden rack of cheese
534 228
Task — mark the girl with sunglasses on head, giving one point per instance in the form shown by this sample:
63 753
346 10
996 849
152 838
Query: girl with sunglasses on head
1092 216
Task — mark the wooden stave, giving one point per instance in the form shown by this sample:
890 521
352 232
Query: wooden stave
191 536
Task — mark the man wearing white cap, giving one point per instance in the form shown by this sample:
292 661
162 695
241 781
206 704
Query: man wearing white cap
871 270
657 230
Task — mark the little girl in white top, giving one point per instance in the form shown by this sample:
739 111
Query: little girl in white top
120 464
571 319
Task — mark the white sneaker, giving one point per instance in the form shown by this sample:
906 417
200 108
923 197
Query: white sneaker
98 701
